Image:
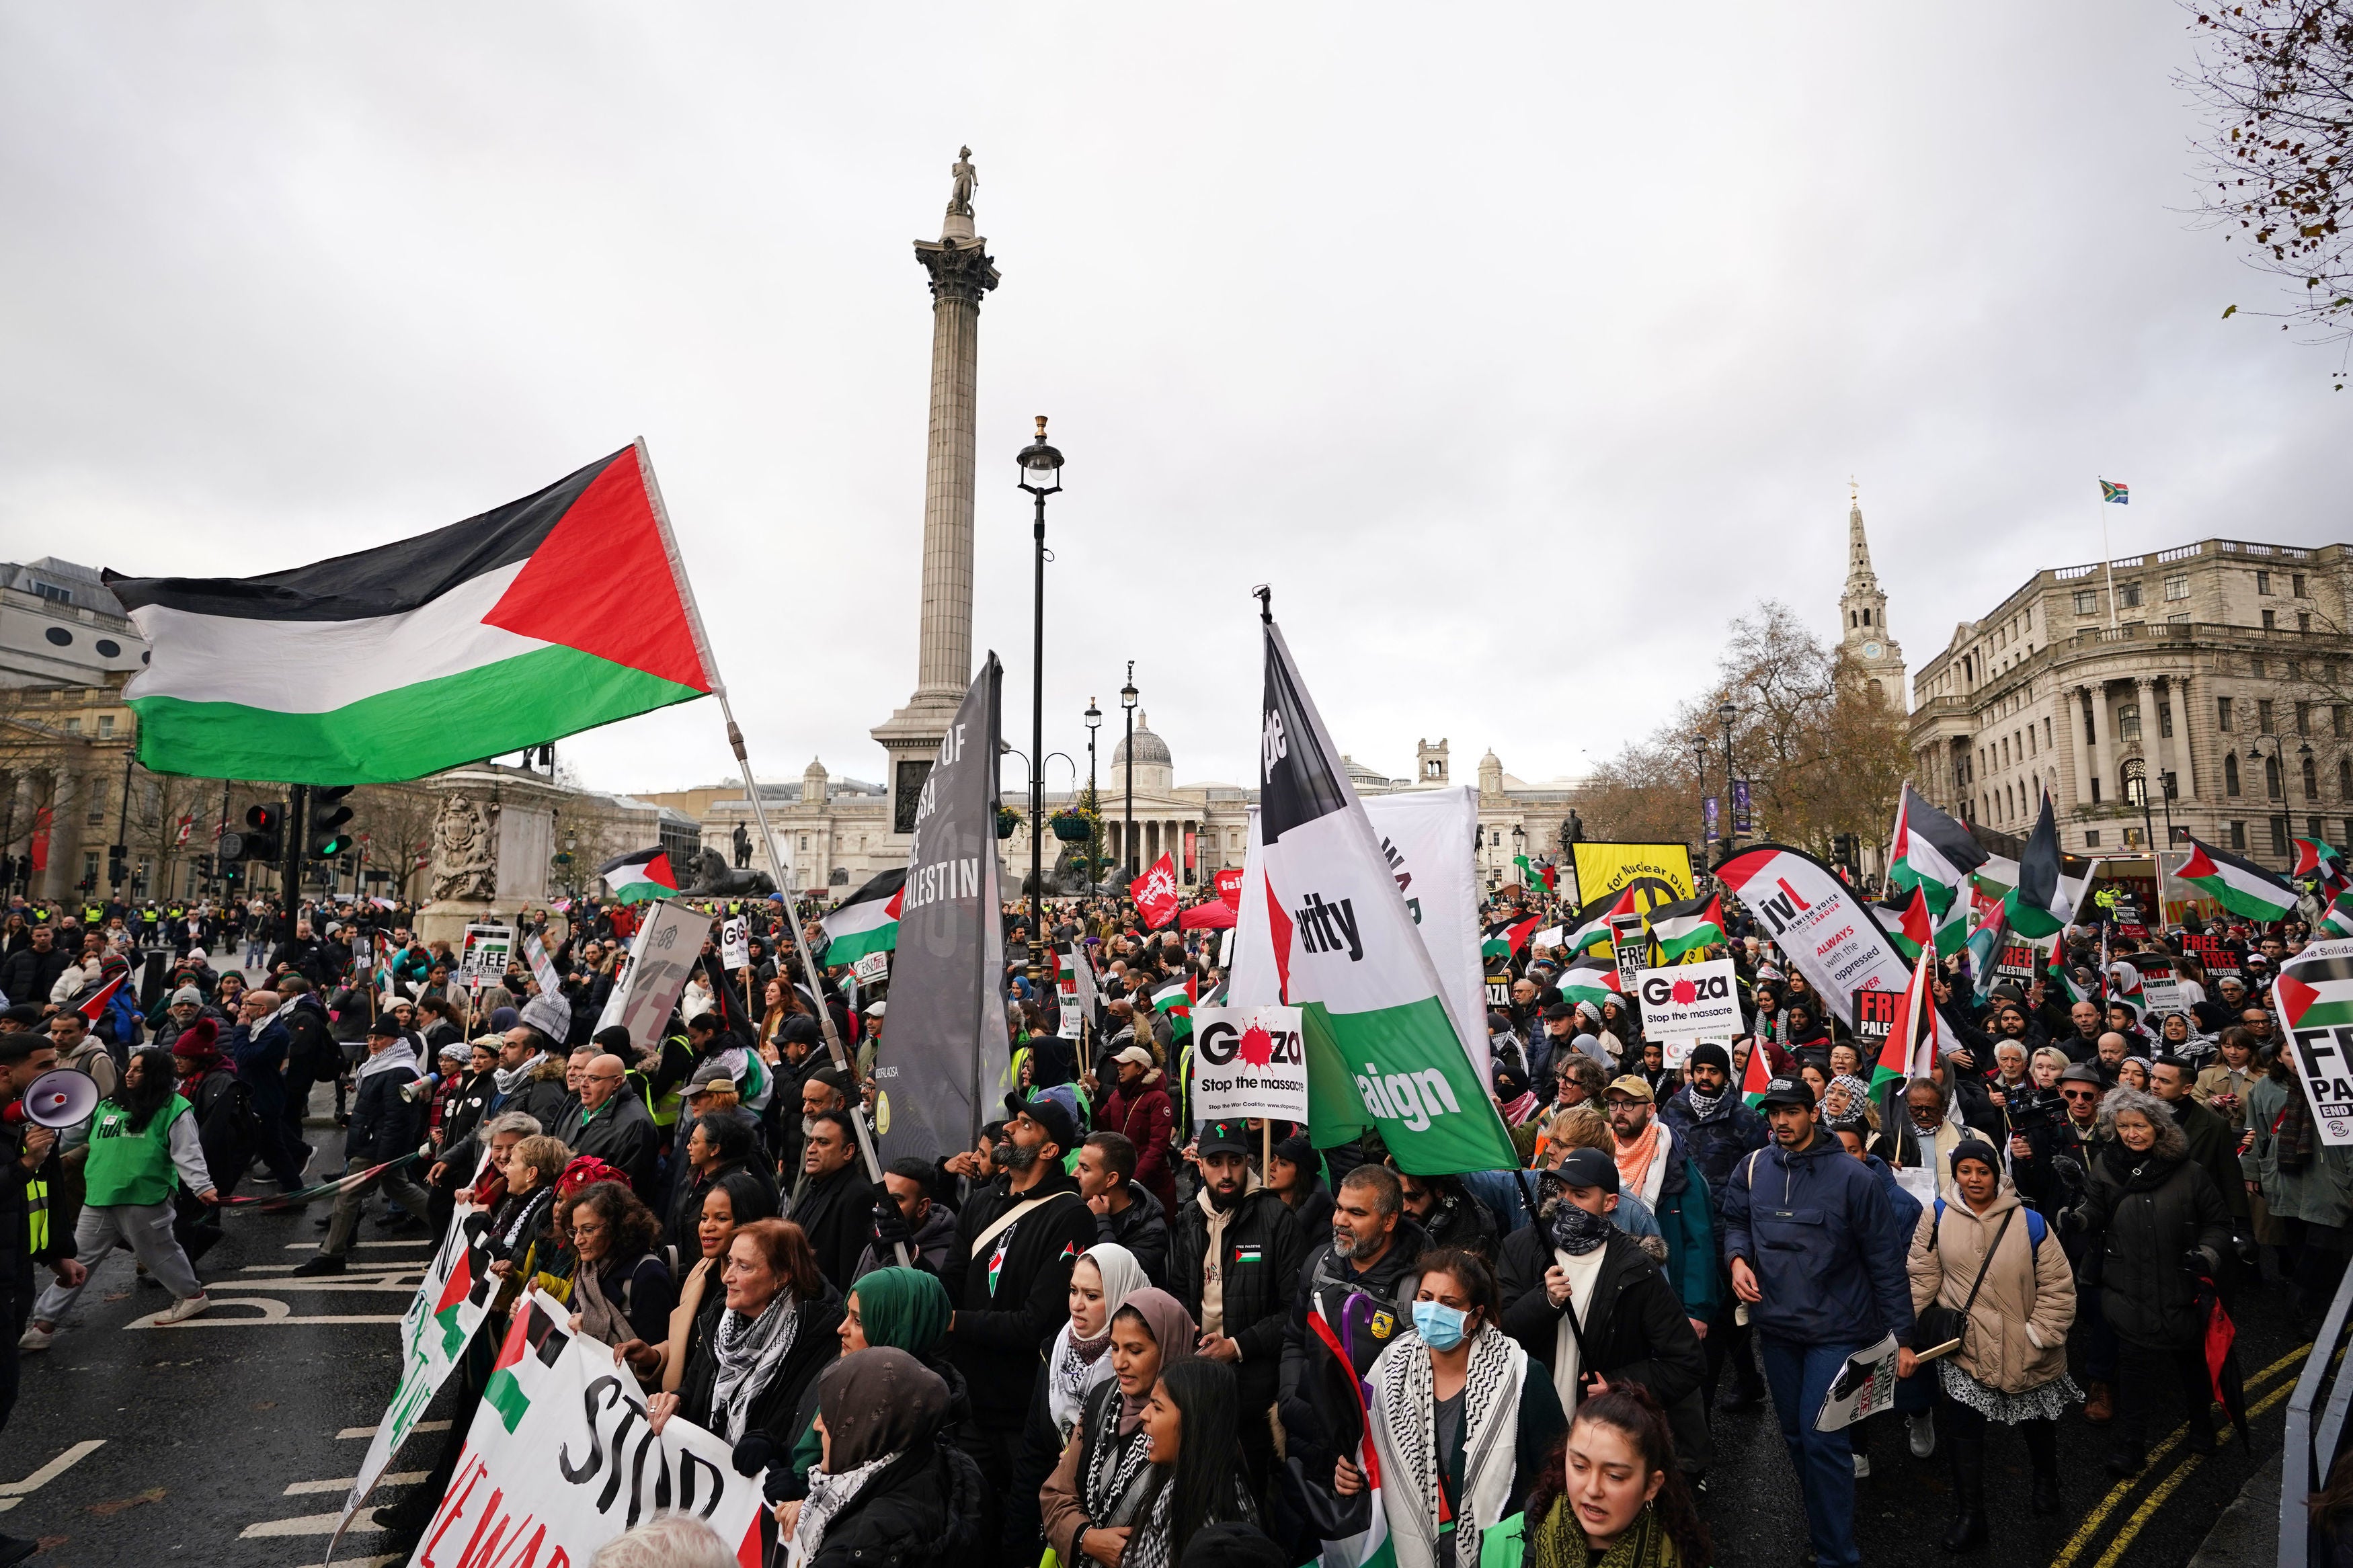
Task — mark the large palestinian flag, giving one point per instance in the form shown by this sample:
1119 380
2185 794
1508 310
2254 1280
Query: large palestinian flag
1907 920
551 615
640 875
1592 923
2314 990
1685 928
2042 904
2240 886
1174 1002
868 920
1593 980
2338 921
1931 851
1505 938
1382 1049
2314 858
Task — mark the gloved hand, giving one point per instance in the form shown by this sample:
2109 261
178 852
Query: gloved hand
890 1224
753 1453
2196 1261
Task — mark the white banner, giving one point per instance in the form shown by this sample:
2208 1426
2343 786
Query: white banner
1247 1061
486 950
559 1461
870 967
1826 931
735 943
2314 996
1690 1002
669 939
447 1308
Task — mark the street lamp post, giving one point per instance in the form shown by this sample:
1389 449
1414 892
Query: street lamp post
1725 714
1094 801
2279 757
1127 833
1519 849
1699 772
1041 475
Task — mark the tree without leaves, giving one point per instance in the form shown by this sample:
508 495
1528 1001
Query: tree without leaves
2274 83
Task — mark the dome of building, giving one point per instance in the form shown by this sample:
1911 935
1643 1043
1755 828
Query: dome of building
1151 751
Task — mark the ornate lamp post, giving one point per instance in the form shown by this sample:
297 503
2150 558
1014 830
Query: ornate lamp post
1127 695
1094 722
1041 475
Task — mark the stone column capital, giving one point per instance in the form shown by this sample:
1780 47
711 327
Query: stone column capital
959 272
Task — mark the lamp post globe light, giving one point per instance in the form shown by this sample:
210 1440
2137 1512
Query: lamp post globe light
1094 722
1041 475
1127 695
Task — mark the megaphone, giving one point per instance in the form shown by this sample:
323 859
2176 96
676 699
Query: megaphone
62 1098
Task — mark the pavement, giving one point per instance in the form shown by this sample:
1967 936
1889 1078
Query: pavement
231 1438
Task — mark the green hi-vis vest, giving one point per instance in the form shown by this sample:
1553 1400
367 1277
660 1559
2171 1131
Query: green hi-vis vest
128 1167
92 915
665 1111
37 1217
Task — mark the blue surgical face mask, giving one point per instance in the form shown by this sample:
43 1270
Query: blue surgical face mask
1440 1325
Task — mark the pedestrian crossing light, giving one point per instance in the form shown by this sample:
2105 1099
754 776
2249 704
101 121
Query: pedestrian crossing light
330 836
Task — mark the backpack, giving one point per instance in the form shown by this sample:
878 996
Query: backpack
2036 1226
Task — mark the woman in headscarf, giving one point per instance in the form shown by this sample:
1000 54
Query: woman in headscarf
1092 1501
208 1082
745 1379
890 1308
1078 1361
734 1200
891 1488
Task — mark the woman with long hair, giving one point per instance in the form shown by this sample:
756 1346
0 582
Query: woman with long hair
745 1379
142 1144
733 1200
1191 1426
621 1291
1092 1501
1610 1494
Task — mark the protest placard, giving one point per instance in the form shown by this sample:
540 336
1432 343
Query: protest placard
1249 1061
485 951
1690 1002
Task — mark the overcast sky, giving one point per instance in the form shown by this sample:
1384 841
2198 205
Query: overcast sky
1519 348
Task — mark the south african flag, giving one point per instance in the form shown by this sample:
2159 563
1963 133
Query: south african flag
2121 495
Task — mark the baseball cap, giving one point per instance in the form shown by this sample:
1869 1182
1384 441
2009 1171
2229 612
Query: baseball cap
1632 1088
1223 1137
1588 1168
1560 1011
1786 1091
1135 1054
877 1008
711 1075
1046 1113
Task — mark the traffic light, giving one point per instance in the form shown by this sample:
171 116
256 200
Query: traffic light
264 825
118 864
232 873
329 836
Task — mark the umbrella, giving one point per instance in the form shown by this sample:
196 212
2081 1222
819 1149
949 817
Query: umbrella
2220 1348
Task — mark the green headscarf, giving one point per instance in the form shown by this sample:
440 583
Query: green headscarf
904 1309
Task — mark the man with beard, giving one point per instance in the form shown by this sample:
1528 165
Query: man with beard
1654 1165
1236 1251
1008 1277
833 1204
1371 1252
1574 1286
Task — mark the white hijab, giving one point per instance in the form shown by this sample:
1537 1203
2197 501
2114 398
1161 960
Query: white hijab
1123 1277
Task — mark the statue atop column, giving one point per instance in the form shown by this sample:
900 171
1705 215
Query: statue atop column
966 179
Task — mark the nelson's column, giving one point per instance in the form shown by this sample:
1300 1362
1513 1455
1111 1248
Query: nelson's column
961 273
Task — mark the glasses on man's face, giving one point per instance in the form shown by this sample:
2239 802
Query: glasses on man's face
2079 1093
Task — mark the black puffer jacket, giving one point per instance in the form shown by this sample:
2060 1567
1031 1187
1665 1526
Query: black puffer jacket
1262 1251
2149 1211
924 1510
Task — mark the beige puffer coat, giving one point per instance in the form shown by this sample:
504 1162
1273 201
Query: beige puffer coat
2017 1333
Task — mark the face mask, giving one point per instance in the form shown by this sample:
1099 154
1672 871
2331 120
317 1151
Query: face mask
1440 1325
1577 1231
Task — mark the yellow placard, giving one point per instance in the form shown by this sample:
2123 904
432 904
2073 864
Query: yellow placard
1659 873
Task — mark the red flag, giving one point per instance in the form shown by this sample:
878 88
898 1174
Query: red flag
41 820
1155 893
1230 888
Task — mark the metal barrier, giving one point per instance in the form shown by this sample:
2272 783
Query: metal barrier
2310 1449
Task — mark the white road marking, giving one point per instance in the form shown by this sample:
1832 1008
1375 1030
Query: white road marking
313 1247
309 1524
269 1269
344 1483
364 1561
53 1469
395 1280
351 1432
275 1314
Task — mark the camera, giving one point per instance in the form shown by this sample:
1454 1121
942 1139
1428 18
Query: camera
2038 1109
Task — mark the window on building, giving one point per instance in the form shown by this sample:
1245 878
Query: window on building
2046 730
2295 669
2271 621
2311 780
73 726
2229 773
2263 716
2165 718
90 865
105 725
2087 601
2032 749
2340 721
2312 828
2128 593
2222 715
2096 790
2304 718
2165 781
2181 620
2295 585
2091 838
2255 667
2279 836
2262 581
2304 621
2344 777
2178 586
2128 721
2239 837
2131 838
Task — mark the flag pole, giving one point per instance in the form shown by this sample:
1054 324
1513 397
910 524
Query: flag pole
768 835
2107 565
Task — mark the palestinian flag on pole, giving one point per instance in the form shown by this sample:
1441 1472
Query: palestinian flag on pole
868 920
1930 850
638 876
2315 991
2240 886
1592 923
1759 1075
1593 980
2338 921
2315 859
1174 1002
1535 875
1505 938
1909 925
2064 979
95 1006
1382 1049
2040 905
1986 930
544 618
535 1341
1685 928
1910 1048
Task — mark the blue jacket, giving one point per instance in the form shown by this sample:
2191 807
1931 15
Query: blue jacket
1684 1218
261 1061
1825 1242
1718 1143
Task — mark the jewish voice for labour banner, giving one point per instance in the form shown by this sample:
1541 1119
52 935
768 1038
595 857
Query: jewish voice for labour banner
1659 873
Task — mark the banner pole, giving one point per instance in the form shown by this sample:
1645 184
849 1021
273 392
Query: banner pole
768 835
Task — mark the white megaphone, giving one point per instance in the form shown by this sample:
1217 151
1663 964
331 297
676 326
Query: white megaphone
62 1098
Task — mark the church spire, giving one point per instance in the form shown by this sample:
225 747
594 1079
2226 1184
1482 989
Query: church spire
1859 575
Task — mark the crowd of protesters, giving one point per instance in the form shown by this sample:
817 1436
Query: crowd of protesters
1116 1330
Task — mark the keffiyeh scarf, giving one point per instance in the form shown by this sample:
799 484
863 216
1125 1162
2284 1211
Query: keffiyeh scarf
827 1495
748 1349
